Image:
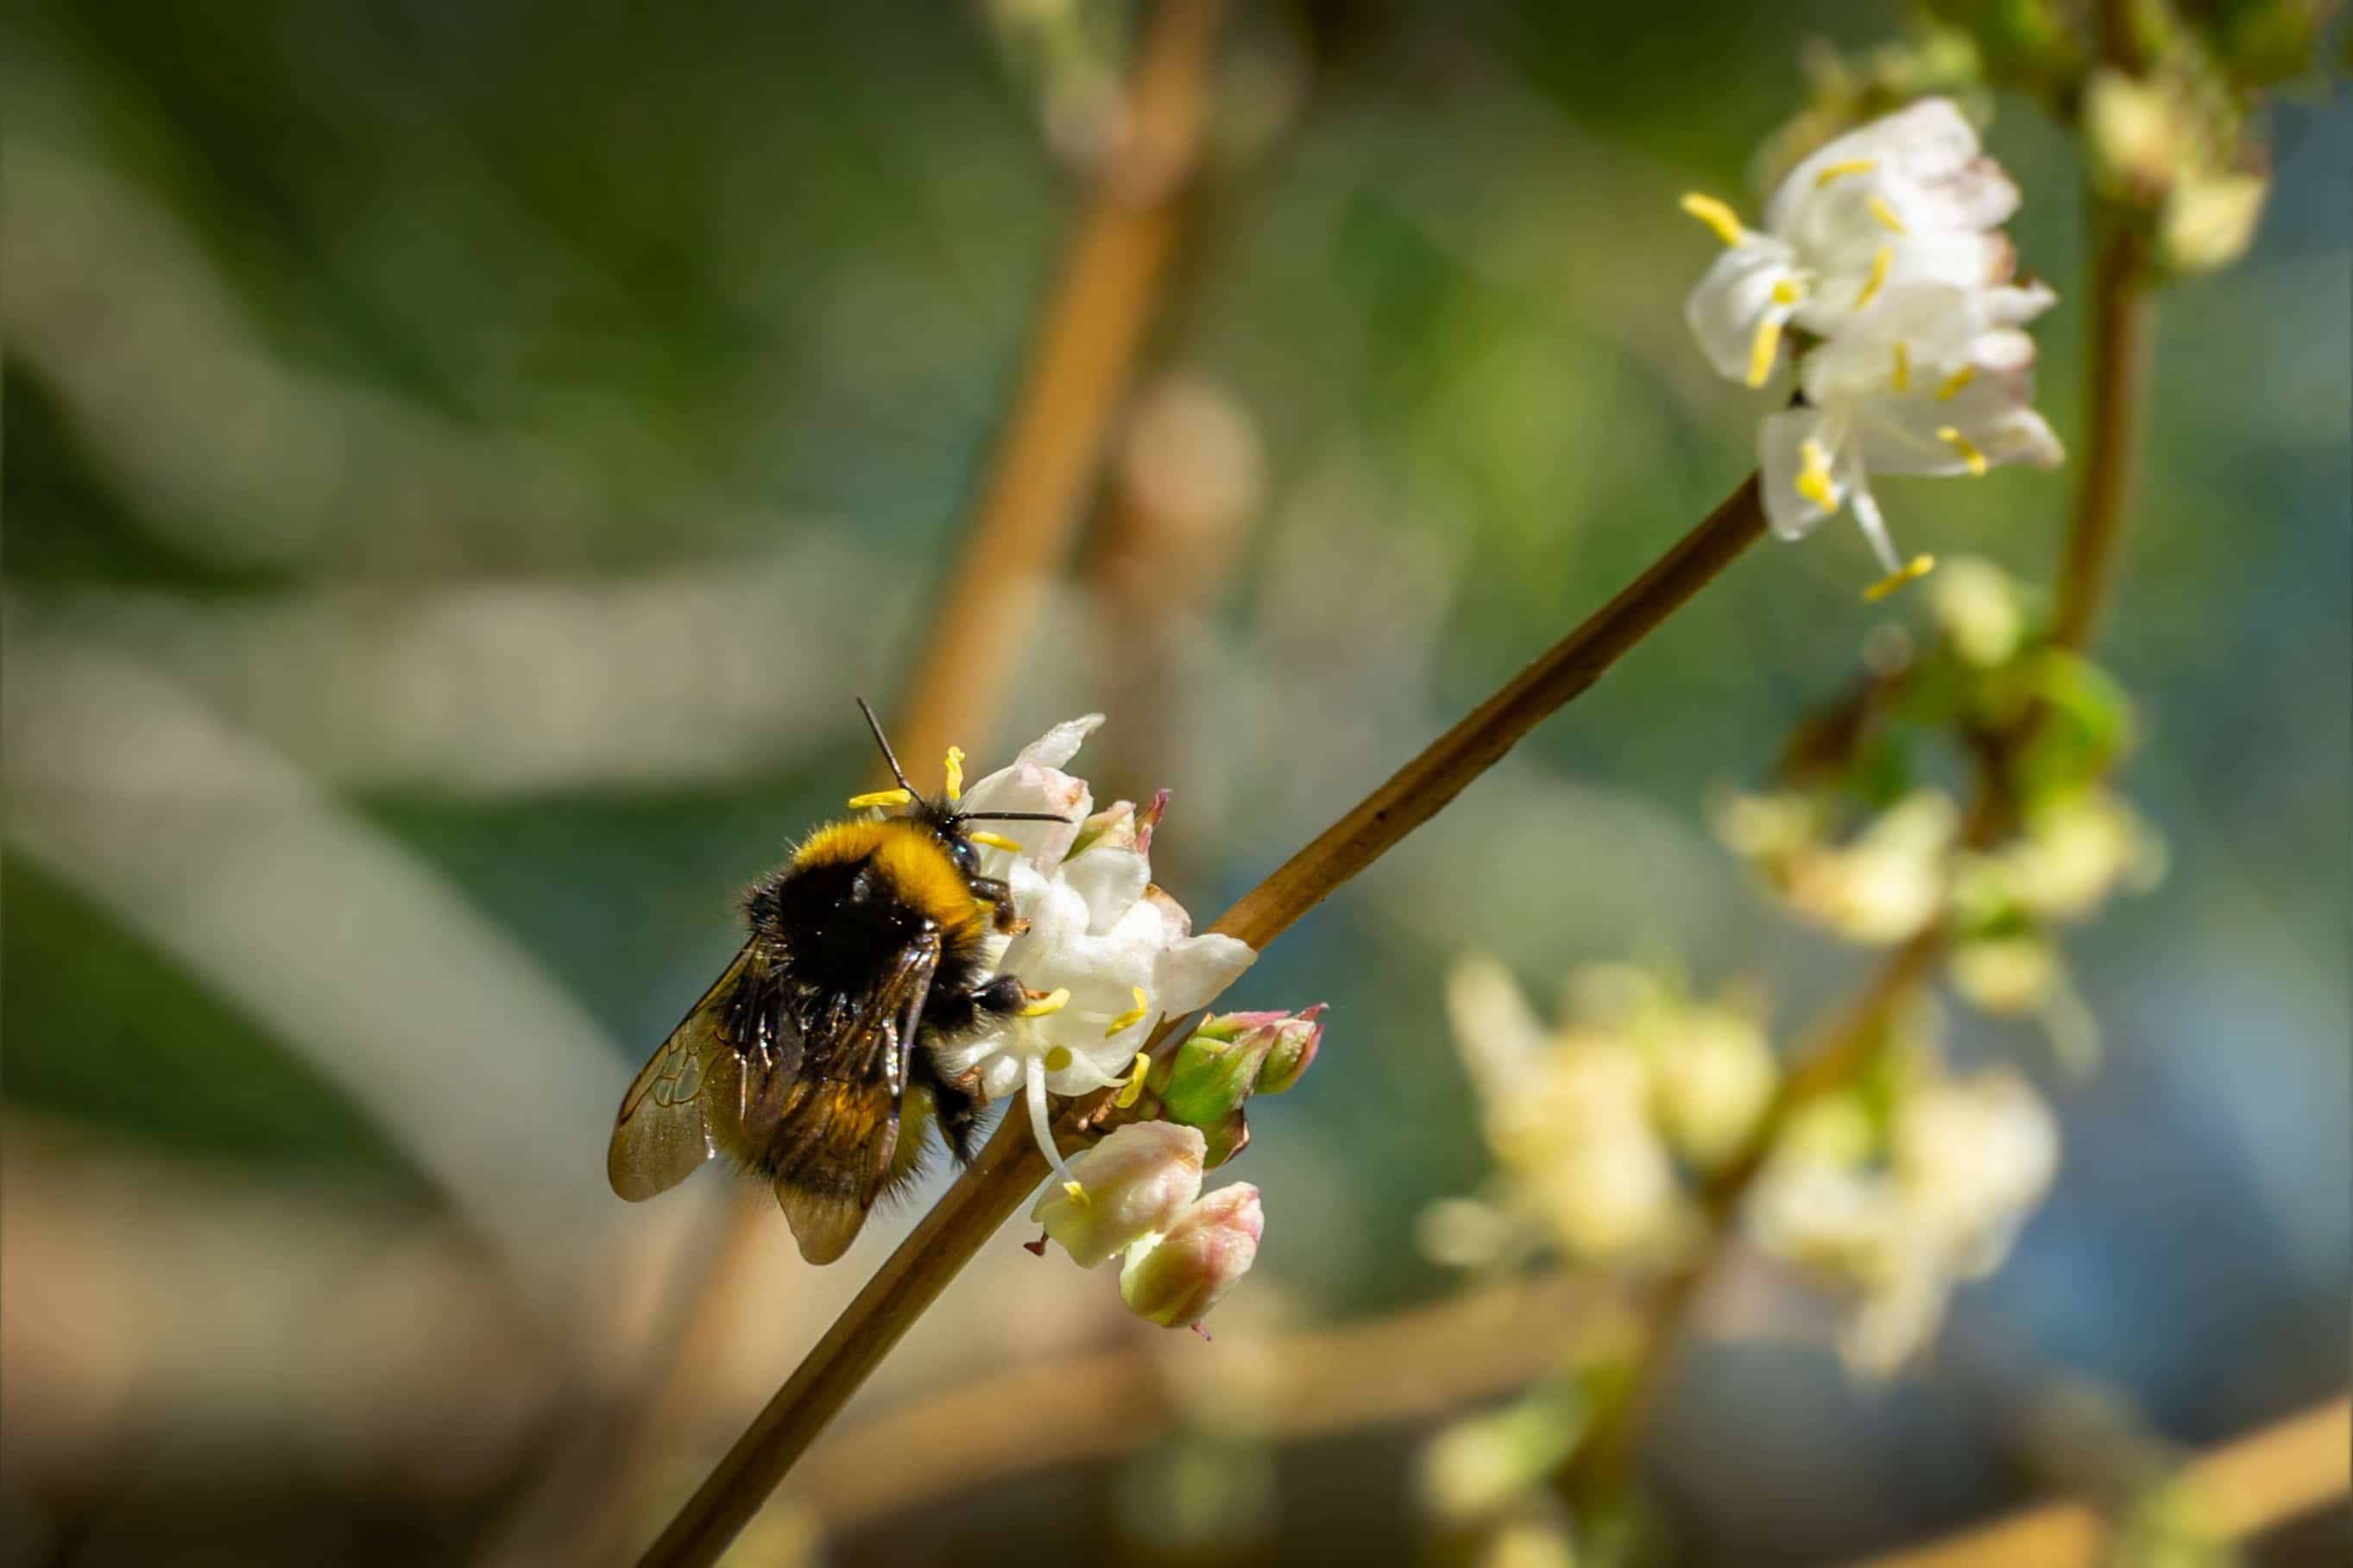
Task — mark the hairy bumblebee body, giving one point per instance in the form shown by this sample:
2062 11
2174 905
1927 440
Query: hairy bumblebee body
816 1048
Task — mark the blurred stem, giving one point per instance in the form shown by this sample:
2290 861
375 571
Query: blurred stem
1010 1166
1082 361
2114 421
2116 413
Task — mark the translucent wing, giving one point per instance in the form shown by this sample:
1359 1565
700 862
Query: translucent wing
688 1103
826 1134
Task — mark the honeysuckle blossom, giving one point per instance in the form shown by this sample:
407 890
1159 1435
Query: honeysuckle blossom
1929 379
1107 952
1134 1183
1968 1159
1908 199
1175 1278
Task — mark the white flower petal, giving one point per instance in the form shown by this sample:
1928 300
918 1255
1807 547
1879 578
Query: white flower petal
1737 293
1193 969
1800 489
1110 880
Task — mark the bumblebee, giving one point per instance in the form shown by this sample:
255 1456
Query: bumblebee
812 1061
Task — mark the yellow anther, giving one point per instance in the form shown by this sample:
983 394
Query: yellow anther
1057 1058
1718 216
1975 459
1132 1016
1763 349
1918 567
955 772
1902 377
880 797
1054 1001
1886 215
1078 1193
1954 382
1789 291
996 841
1814 476
1134 1089
1872 285
1852 166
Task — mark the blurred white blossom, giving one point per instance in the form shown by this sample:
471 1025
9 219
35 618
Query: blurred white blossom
1885 250
1929 379
1966 1161
1906 199
1588 1120
1884 885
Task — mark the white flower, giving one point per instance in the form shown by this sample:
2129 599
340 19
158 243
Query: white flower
1906 199
1109 953
1931 379
1886 884
1974 1158
1713 1073
1568 1118
1134 1183
1967 1161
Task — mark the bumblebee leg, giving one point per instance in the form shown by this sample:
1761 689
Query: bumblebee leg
1000 897
958 1109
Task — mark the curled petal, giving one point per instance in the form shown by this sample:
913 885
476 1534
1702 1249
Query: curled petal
1743 299
1797 453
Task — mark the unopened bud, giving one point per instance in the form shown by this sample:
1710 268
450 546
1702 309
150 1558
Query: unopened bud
1176 1279
1295 1042
1134 1183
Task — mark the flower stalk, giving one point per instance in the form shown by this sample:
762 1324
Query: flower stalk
1011 1164
2120 354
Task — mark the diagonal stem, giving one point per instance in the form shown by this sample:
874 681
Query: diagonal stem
1010 1166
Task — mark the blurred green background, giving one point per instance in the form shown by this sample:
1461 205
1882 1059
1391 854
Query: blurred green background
463 458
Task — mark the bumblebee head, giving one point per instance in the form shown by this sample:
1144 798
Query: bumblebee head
941 813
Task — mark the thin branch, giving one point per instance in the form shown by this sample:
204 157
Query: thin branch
2250 1485
1009 1167
2116 413
1383 1371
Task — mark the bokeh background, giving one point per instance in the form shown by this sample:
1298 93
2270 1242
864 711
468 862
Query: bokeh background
463 458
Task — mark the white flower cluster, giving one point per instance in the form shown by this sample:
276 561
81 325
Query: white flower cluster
1966 1161
1109 952
1592 1122
1883 253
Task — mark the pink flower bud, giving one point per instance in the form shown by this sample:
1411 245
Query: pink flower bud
1293 1043
1132 1184
1176 1280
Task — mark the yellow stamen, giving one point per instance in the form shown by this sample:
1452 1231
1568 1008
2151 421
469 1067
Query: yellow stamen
1964 447
1918 567
1718 216
1078 1193
1789 291
1134 1016
997 841
1954 382
1886 215
1057 1058
955 772
1764 349
880 797
1814 476
1852 166
1871 285
1128 1095
1903 368
1054 1001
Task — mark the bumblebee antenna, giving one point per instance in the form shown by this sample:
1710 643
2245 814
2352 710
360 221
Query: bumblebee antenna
896 771
1009 817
